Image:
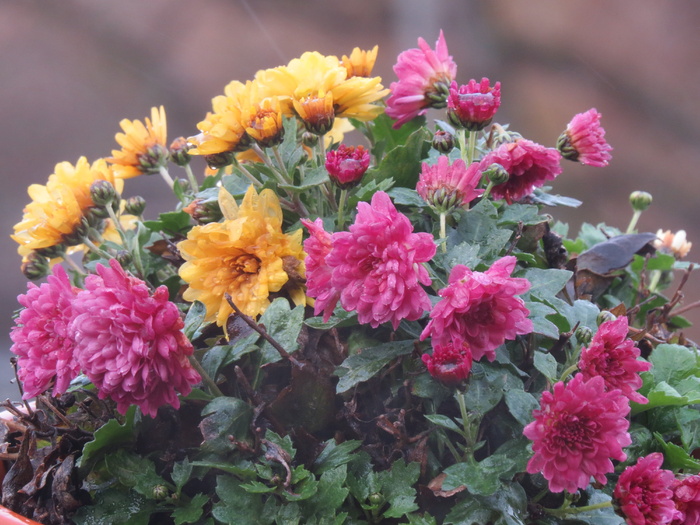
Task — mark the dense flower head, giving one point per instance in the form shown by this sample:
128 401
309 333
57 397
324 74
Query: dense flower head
529 166
144 148
59 207
584 140
473 105
138 354
377 265
445 186
613 356
424 78
480 309
577 430
347 165
643 492
449 364
247 256
42 340
686 496
264 122
318 273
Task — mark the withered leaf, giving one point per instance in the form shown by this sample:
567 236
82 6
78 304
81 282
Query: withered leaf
615 253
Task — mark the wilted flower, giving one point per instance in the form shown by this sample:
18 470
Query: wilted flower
377 265
529 166
445 186
473 105
244 256
318 273
578 429
347 165
144 149
612 356
584 140
138 354
42 339
424 79
643 492
686 496
480 309
449 364
675 244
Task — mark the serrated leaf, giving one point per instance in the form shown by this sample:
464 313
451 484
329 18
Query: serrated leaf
283 325
676 457
182 470
526 214
673 363
192 511
312 178
172 222
406 197
194 319
334 455
545 284
135 472
363 366
540 324
483 478
443 421
115 507
661 395
224 417
397 487
330 495
521 404
108 437
547 199
236 505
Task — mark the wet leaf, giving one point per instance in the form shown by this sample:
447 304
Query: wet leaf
613 254
283 325
223 417
363 366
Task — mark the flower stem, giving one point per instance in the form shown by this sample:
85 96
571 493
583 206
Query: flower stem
135 249
633 222
255 182
341 208
568 371
93 248
577 510
206 378
466 428
443 232
462 140
471 148
191 178
166 176
70 262
487 191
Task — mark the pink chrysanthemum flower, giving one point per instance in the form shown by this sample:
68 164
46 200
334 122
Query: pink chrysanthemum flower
480 309
347 165
643 492
424 79
686 496
578 429
473 105
130 343
318 273
445 186
42 338
377 265
449 364
529 166
584 140
613 356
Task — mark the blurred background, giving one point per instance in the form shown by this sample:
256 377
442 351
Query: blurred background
70 70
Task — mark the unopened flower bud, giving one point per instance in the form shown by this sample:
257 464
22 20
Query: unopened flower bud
604 316
640 200
135 205
347 165
219 160
79 232
153 159
35 266
443 141
309 139
160 492
102 193
496 174
124 257
584 335
204 211
179 152
376 498
183 185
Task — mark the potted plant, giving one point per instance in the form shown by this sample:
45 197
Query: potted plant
319 332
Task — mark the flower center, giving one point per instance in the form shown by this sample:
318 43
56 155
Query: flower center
571 431
245 264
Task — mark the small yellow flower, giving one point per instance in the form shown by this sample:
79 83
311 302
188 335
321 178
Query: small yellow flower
264 122
144 149
246 256
360 63
58 207
316 112
674 244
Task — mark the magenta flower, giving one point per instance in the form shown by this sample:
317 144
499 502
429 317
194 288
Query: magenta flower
686 496
318 273
130 343
473 105
643 492
480 309
449 364
445 186
424 78
613 356
347 165
42 338
584 140
578 429
529 166
377 265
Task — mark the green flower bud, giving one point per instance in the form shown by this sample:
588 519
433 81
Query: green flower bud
376 499
78 234
584 335
219 160
605 315
156 157
123 257
102 193
35 266
179 153
640 200
443 141
135 205
51 252
309 139
160 492
496 174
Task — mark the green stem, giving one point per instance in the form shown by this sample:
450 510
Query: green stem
206 378
577 510
321 150
191 178
278 158
99 251
443 232
166 176
281 175
248 175
654 281
462 140
471 148
341 208
567 372
70 262
633 222
487 191
466 428
135 251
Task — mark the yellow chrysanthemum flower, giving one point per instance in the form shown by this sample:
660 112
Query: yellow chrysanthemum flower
246 256
144 147
360 63
264 122
58 207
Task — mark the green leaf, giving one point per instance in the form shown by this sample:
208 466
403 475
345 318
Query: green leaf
545 284
547 365
172 222
673 363
485 391
464 253
334 455
443 421
192 511
134 471
363 366
115 507
554 200
182 470
224 417
403 162
540 324
397 487
676 457
108 437
283 325
660 261
478 226
236 505
330 495
528 214
312 178
340 318
521 404
194 319
661 395
482 479
385 138
406 197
